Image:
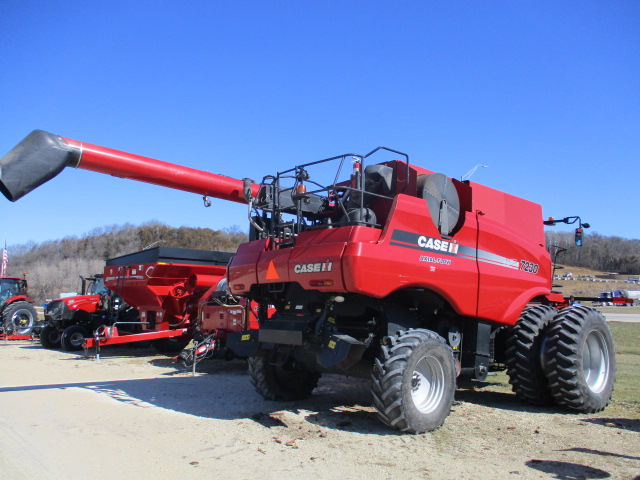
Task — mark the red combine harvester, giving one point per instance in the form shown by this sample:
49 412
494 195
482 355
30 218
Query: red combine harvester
385 270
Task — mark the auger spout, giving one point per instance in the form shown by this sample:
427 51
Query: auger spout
41 156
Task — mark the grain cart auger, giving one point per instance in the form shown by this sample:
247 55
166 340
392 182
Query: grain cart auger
385 270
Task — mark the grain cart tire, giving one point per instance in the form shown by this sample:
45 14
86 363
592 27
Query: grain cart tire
50 337
580 360
414 381
73 337
22 316
285 382
523 355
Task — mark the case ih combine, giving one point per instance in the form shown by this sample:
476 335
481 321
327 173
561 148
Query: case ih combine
384 270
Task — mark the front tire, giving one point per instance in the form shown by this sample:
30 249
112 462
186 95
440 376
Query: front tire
523 355
580 360
284 382
22 316
50 337
72 339
414 381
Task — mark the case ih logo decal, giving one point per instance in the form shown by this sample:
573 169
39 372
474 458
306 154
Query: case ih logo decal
312 267
402 238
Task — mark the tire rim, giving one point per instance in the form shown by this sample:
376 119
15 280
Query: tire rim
427 384
595 361
22 321
76 339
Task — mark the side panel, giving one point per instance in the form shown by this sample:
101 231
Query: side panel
412 253
512 258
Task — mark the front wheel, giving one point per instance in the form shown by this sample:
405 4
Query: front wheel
50 337
22 316
580 360
73 337
414 381
284 381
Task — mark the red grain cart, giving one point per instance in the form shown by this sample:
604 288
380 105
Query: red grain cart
176 295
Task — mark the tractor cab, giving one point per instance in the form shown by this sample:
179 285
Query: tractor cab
12 287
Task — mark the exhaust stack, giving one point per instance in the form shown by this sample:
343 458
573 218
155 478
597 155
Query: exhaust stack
41 156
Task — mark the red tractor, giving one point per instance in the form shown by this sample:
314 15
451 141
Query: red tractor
70 319
18 317
386 270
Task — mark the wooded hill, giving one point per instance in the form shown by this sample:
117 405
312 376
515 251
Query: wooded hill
54 266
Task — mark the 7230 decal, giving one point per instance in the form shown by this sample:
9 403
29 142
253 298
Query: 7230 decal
529 267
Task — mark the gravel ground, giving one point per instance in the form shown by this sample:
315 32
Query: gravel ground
135 414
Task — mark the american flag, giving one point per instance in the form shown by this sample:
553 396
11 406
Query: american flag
5 260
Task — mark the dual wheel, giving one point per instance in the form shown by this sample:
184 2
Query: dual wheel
565 357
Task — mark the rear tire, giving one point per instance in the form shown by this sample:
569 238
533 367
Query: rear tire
580 360
50 337
22 316
414 381
282 383
523 355
72 339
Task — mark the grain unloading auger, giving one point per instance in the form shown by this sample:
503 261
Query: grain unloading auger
390 271
42 155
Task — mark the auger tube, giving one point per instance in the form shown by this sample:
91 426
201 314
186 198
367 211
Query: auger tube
40 156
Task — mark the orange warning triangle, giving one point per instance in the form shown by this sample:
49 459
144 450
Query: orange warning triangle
272 273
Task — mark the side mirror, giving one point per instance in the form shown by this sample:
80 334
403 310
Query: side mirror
578 237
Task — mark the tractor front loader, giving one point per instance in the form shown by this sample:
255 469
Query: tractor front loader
385 270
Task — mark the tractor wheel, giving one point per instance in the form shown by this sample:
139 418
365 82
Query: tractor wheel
287 382
523 355
73 337
414 381
50 337
580 360
22 316
170 345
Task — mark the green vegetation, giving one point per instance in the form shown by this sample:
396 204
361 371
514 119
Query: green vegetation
626 396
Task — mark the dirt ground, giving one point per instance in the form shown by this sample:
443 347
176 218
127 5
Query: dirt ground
135 414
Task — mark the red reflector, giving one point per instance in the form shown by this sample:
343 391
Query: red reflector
238 286
321 283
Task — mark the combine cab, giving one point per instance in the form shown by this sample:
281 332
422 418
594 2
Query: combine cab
387 270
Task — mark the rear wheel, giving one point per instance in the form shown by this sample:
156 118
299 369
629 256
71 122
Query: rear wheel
73 337
580 360
523 355
414 381
50 337
284 382
22 316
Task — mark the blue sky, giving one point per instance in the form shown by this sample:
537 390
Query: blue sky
547 94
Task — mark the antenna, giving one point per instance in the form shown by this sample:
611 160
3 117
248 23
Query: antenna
467 175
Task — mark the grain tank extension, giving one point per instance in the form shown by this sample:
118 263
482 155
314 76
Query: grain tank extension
385 270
